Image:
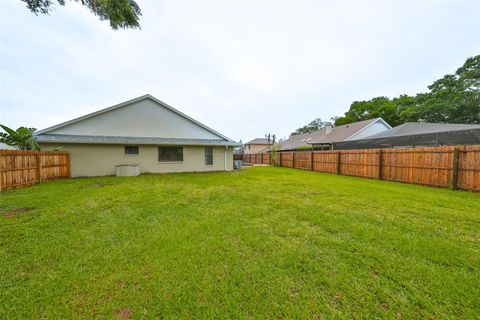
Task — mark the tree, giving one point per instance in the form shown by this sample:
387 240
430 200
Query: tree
22 138
455 98
121 13
451 99
315 125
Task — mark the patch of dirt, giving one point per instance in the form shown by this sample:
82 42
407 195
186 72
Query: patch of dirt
10 213
124 314
98 184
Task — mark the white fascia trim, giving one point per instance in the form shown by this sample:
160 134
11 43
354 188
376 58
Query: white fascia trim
370 124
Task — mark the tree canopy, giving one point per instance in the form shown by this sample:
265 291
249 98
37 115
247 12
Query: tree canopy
455 98
21 139
315 125
121 13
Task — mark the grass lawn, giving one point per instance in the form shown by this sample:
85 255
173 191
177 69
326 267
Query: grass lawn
261 243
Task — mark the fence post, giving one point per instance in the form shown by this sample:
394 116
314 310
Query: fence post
311 161
380 160
280 161
293 160
338 162
39 167
455 169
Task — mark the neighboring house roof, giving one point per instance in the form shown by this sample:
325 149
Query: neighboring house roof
324 136
297 141
259 141
100 126
413 128
345 132
418 134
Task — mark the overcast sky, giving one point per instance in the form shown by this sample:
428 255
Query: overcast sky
244 68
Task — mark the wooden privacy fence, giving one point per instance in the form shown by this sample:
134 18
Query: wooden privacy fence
24 168
457 167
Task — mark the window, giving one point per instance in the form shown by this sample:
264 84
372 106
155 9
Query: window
131 149
208 156
170 154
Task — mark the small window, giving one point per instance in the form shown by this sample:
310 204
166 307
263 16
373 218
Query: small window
131 149
208 156
170 154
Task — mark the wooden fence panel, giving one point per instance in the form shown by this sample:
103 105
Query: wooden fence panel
429 166
359 163
469 168
287 159
302 160
265 158
325 161
24 168
433 166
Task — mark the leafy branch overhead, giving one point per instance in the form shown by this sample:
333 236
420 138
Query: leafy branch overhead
123 14
22 138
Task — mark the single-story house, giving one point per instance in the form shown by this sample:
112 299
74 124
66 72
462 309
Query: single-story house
143 131
325 138
417 134
257 145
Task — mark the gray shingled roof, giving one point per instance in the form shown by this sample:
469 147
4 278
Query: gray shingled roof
413 128
259 141
63 138
321 136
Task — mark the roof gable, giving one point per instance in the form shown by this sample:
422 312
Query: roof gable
144 116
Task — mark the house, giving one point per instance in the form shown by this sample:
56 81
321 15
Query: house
257 145
416 134
4 146
143 131
325 138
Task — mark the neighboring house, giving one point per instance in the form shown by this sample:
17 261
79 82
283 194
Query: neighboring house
4 146
416 134
257 145
142 131
325 138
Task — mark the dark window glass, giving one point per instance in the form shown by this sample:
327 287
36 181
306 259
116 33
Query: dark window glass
131 149
208 156
166 154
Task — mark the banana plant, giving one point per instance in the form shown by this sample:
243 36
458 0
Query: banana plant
21 139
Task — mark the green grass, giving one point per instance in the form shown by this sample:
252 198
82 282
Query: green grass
262 243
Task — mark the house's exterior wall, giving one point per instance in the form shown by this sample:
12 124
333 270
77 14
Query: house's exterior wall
254 148
372 129
89 160
144 118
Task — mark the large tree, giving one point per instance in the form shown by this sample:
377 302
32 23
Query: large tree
121 13
454 98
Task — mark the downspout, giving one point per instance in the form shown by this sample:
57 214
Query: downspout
225 159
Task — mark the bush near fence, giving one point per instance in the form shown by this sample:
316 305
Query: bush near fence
20 168
457 167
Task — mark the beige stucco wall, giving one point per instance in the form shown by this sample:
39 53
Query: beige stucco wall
101 159
254 148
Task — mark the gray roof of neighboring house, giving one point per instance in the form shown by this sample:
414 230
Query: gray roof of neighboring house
63 138
414 128
417 134
321 136
259 141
